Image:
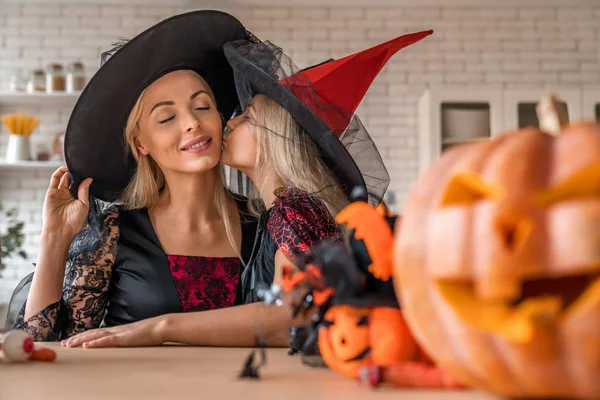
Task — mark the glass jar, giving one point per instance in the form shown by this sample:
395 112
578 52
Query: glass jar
36 81
17 83
75 77
55 78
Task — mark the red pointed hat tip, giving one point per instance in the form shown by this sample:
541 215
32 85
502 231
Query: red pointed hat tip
345 81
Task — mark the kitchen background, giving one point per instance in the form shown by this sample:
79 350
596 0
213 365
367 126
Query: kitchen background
507 55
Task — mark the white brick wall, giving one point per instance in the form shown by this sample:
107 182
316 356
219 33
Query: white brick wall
508 46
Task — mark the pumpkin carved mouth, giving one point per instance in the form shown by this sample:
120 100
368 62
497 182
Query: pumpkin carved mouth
543 303
360 356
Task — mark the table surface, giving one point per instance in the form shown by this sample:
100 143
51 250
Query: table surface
194 372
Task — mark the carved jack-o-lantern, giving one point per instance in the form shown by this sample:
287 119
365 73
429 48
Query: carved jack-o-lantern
352 338
498 262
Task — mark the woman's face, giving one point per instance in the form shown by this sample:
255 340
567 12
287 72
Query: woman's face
180 127
239 141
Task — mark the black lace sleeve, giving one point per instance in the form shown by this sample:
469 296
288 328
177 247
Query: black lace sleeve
87 280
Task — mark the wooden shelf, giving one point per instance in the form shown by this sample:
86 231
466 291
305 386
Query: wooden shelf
59 99
20 165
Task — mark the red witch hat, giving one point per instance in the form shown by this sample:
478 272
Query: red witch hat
345 82
323 99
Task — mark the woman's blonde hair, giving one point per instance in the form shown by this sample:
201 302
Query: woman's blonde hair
283 145
148 180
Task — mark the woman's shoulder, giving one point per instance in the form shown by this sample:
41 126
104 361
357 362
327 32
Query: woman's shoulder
103 212
100 229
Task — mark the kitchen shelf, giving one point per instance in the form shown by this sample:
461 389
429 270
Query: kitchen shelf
20 165
59 99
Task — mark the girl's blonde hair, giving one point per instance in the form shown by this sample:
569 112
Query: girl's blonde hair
283 145
148 180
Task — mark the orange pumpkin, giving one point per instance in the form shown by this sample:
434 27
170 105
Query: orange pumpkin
352 338
357 341
498 257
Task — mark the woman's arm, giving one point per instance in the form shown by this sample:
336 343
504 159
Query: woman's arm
226 327
66 301
233 326
47 282
64 216
280 261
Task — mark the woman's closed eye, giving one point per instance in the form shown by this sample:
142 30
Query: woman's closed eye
168 119
164 121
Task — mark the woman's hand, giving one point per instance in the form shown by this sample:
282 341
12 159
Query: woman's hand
63 214
142 333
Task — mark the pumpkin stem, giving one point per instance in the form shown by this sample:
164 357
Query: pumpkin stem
551 116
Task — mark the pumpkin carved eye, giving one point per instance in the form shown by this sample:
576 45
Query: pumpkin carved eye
583 183
467 188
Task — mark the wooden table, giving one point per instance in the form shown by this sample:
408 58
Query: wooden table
182 373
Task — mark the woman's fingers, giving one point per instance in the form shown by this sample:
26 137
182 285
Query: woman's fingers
64 181
83 192
84 337
106 341
57 176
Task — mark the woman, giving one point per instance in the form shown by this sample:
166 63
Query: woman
289 145
173 241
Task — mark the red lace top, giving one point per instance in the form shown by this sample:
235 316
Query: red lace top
205 283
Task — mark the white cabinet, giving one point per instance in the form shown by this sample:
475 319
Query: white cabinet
519 105
454 115
591 103
442 112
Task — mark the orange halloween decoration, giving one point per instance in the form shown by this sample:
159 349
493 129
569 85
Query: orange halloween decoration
361 331
498 257
357 341
370 227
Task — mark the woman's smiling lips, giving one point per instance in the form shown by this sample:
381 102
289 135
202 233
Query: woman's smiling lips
197 145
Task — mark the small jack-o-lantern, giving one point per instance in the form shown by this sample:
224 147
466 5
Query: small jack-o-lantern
374 344
498 257
352 338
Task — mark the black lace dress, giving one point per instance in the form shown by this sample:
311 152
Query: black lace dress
118 273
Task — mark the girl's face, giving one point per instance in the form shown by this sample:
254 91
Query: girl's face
239 141
180 127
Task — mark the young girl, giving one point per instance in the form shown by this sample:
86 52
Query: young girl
301 145
298 199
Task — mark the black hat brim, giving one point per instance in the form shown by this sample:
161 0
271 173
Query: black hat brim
95 145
